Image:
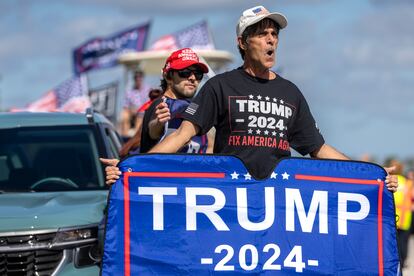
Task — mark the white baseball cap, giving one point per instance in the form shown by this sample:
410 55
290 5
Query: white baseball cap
256 14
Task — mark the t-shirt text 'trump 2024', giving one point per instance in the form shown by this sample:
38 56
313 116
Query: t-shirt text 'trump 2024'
256 120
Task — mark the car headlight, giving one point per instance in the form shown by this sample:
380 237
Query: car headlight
73 235
85 240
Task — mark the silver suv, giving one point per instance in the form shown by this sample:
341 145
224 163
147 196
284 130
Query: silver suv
52 191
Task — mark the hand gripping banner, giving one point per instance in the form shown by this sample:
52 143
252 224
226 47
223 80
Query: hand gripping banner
206 215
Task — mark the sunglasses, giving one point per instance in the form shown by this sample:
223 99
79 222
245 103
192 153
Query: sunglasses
186 73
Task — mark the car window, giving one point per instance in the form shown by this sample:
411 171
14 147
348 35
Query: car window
114 142
4 168
49 159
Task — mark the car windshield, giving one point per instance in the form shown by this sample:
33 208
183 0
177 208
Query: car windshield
49 159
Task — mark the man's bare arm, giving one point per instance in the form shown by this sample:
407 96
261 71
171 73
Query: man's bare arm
156 125
211 134
329 152
176 140
155 129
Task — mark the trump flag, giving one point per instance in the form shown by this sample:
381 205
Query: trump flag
205 215
98 53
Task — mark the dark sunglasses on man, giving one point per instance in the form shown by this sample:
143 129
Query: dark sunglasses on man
185 73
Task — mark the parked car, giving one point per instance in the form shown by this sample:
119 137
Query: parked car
52 191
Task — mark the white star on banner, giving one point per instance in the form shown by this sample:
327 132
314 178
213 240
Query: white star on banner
285 175
274 99
234 175
250 131
247 176
259 97
251 97
274 133
282 102
258 131
266 132
267 98
281 134
273 175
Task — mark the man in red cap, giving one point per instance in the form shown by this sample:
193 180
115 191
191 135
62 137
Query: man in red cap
182 74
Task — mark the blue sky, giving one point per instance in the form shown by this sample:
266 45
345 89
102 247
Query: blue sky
353 59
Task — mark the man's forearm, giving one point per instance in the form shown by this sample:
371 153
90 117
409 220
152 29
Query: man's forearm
155 129
176 140
211 134
328 152
171 144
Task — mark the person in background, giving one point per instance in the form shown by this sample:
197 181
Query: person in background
134 99
403 208
366 157
410 177
132 145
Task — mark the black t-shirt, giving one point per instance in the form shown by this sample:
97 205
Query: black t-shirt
257 120
198 144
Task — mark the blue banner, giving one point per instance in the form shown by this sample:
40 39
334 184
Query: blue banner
204 215
100 52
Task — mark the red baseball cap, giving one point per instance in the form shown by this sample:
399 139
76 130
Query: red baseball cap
183 58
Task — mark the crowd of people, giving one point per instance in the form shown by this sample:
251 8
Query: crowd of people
172 119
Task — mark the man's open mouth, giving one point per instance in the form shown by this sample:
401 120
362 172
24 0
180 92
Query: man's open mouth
270 53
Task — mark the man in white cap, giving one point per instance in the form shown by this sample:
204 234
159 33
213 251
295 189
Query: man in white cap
258 115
